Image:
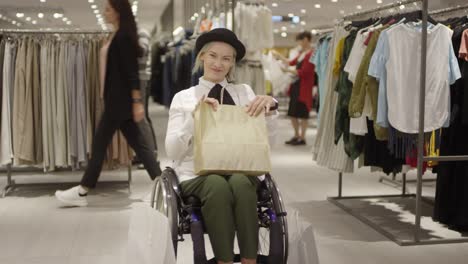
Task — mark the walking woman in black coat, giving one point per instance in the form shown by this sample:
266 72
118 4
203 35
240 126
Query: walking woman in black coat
123 104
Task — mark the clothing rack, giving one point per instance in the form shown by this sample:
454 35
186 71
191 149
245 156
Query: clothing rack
416 236
321 31
11 183
403 183
33 31
380 8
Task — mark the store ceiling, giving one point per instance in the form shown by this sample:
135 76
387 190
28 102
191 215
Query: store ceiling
79 12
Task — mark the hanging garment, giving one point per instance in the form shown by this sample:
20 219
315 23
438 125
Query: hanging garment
452 182
251 72
353 143
325 152
35 83
397 60
6 144
320 60
23 130
254 26
2 57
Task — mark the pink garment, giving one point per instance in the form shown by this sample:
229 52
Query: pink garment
103 63
463 53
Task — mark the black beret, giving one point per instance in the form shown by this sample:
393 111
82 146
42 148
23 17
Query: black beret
222 35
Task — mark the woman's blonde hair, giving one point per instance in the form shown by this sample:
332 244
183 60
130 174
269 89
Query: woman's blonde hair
199 63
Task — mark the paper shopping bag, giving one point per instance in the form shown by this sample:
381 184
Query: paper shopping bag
229 141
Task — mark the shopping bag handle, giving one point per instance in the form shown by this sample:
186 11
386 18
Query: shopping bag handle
222 95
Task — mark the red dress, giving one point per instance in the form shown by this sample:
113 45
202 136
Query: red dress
306 74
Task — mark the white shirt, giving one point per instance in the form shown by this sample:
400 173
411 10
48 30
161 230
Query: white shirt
403 77
180 128
356 55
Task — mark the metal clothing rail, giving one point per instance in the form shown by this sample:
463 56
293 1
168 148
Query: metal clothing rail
448 10
380 8
11 184
416 236
34 31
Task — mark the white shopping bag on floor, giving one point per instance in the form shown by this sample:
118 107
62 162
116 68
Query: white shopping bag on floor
302 247
149 238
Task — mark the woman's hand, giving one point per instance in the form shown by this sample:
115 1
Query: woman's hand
261 103
211 101
280 57
138 112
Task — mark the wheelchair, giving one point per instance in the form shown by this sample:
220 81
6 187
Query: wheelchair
184 215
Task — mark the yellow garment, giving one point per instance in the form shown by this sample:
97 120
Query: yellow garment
431 149
338 57
268 87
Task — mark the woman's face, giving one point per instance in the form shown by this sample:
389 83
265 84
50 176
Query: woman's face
217 61
304 43
110 15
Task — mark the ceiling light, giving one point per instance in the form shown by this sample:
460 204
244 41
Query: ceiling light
90 1
283 28
13 22
28 19
69 22
276 30
274 5
93 6
40 15
96 11
334 1
359 7
34 22
58 15
317 6
290 15
303 11
284 34
379 1
303 23
313 31
402 7
64 19
19 14
43 1
101 20
195 15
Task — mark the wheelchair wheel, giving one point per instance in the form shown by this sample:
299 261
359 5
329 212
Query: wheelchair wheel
273 240
165 201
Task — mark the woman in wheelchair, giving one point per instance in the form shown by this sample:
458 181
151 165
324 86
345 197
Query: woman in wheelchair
229 202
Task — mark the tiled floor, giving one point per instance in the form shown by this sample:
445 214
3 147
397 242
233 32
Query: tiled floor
35 229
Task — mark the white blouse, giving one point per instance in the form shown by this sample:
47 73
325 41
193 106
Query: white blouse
180 129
